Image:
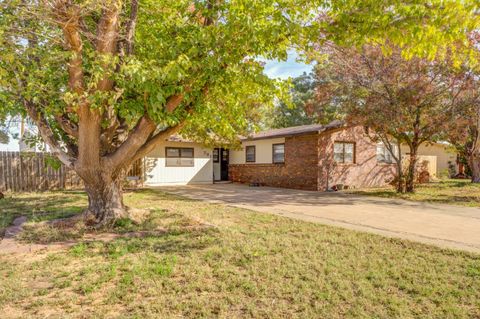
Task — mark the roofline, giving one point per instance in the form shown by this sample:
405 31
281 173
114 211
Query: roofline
279 136
322 130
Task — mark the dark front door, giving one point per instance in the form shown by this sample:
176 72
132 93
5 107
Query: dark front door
224 164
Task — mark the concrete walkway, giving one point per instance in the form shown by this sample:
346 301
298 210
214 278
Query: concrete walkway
442 225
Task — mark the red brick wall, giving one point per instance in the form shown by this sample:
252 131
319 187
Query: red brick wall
365 172
300 170
309 164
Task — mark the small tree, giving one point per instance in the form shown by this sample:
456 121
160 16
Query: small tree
403 101
463 130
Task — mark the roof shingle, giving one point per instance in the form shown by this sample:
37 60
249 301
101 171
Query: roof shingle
295 130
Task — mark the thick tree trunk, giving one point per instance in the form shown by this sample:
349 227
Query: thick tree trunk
410 178
400 178
399 167
474 163
105 202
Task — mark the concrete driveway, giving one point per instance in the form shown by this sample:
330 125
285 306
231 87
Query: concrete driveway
441 225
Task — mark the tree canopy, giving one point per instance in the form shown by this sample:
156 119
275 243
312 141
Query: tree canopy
304 107
106 81
404 101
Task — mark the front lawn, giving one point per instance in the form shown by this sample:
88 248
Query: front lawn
451 191
244 264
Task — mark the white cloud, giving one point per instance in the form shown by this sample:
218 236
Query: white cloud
286 69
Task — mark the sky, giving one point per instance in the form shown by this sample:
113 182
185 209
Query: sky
286 69
274 69
12 143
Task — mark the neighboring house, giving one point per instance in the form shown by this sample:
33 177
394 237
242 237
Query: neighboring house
312 157
442 156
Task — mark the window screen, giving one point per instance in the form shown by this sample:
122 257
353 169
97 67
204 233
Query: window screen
278 153
179 157
384 155
344 152
250 154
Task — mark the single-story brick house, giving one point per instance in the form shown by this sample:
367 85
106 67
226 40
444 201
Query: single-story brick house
310 157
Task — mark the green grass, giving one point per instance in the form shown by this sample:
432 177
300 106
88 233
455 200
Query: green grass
249 265
450 191
40 207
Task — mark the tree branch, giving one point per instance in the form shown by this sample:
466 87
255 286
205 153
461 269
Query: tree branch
69 20
107 36
153 141
173 102
47 134
138 137
130 27
67 126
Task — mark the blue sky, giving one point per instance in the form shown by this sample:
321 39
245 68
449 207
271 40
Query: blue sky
274 69
12 144
286 69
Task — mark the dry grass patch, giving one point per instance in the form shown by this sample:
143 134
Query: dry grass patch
40 206
455 192
249 265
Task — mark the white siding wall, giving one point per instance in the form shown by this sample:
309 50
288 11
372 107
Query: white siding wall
158 174
263 151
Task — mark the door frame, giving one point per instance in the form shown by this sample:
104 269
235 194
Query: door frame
224 164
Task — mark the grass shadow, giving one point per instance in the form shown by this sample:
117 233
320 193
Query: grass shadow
40 206
159 195
178 241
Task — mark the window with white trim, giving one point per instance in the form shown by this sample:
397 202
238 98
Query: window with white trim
179 157
250 154
278 151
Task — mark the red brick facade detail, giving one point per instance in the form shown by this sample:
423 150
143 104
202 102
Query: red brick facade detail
309 164
300 170
365 172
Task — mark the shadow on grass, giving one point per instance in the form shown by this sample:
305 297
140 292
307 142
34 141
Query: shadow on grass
458 184
48 206
379 193
458 192
445 199
176 241
160 194
40 206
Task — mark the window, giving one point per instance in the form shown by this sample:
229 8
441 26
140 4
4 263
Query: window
179 157
216 155
278 153
250 154
344 152
384 155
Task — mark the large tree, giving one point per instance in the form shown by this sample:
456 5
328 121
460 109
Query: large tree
302 107
402 101
106 81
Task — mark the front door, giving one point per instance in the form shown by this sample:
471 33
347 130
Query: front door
224 164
